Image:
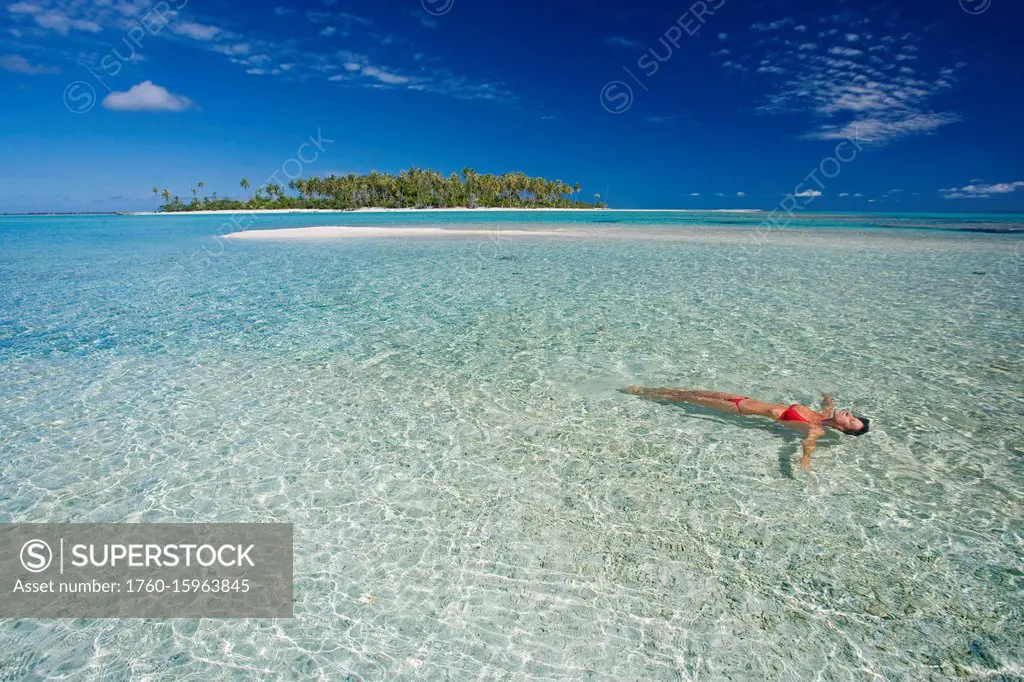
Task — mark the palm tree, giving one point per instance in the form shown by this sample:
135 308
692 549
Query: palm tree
412 187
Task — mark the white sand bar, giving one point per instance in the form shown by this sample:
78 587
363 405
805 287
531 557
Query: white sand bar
343 232
746 237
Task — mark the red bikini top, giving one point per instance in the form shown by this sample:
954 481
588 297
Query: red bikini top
791 415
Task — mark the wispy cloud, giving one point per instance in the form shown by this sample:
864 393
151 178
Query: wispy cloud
619 41
859 88
342 18
845 51
53 19
982 191
773 26
425 19
384 76
18 64
146 96
391 60
195 31
232 49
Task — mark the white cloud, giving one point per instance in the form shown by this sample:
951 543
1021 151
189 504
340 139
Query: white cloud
314 60
982 191
194 30
741 194
723 36
54 20
773 26
328 31
352 66
384 76
24 8
720 53
852 93
800 29
719 194
843 195
18 64
336 77
238 48
146 97
808 193
694 194
878 130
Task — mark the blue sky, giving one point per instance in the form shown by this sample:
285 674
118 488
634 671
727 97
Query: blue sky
719 104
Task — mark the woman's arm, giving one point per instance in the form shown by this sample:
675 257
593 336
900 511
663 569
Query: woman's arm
809 443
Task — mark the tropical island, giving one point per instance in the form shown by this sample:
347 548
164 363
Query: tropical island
412 188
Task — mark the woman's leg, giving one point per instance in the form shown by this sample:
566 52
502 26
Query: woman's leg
726 402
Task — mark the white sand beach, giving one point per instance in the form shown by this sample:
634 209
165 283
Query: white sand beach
261 211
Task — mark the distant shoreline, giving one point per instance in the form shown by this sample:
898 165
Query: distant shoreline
489 209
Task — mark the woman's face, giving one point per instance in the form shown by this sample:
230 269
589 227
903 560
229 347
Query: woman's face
847 422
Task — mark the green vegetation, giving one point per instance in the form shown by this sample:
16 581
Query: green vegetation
413 188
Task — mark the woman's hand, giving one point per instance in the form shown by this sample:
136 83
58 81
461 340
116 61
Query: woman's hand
828 406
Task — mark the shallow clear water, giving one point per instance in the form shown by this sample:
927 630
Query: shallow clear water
472 496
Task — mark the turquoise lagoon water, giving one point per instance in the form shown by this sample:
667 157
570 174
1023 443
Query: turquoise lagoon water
472 496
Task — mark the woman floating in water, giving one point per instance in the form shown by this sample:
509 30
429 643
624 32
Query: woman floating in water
795 415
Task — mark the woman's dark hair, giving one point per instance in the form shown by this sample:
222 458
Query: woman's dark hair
867 426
